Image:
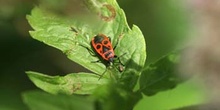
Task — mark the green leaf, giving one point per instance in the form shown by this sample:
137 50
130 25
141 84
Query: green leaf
103 17
77 83
161 75
114 97
37 100
188 93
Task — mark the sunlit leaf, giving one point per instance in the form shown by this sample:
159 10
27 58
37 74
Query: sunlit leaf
74 83
72 34
37 100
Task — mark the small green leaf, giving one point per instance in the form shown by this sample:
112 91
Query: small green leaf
161 75
37 100
77 83
104 17
188 93
114 97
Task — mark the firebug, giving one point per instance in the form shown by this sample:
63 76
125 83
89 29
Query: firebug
102 46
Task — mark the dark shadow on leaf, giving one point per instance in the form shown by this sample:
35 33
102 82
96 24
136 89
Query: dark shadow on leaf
130 75
161 75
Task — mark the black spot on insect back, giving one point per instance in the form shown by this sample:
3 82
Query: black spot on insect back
98 39
98 46
107 54
105 49
105 42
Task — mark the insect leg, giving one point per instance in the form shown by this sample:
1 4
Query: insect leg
103 74
119 58
92 54
116 44
98 61
89 50
73 29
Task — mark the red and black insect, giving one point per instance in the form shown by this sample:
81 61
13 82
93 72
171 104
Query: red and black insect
102 46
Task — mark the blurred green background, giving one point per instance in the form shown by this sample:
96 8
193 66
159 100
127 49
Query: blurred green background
164 23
